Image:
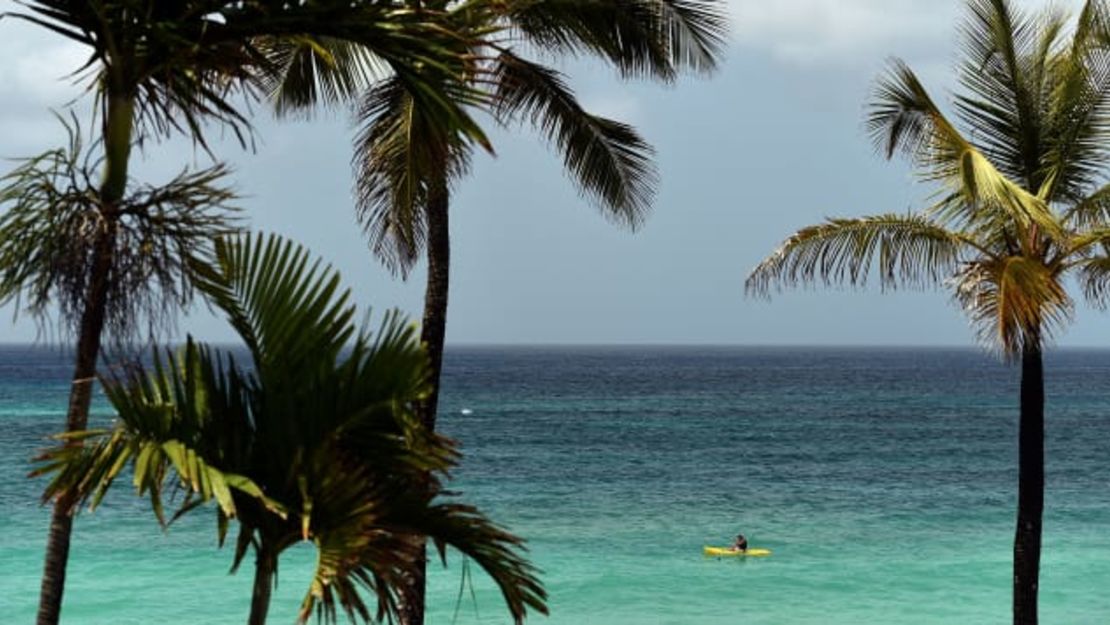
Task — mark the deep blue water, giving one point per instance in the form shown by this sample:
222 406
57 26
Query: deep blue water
883 480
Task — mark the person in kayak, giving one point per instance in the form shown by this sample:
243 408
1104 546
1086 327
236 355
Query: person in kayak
741 543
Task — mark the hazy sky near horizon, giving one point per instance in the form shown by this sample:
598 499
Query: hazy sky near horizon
771 142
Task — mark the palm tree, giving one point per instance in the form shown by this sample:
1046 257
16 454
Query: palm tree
161 67
1020 207
315 441
52 221
52 239
408 156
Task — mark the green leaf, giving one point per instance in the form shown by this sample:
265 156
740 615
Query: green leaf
905 250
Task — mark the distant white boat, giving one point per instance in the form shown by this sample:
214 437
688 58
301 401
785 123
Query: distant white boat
466 411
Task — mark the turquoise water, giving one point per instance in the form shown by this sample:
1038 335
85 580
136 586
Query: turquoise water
882 479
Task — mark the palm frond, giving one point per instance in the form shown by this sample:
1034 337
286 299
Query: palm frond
1079 117
1013 301
1090 210
911 251
318 71
998 70
495 550
903 116
391 172
1094 277
167 420
188 64
383 559
402 152
1085 243
375 385
358 548
607 159
695 32
639 37
340 580
288 307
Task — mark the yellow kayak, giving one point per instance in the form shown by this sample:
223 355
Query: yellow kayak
728 552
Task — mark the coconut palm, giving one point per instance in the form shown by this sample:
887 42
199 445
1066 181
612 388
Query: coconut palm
314 441
161 67
1021 207
408 156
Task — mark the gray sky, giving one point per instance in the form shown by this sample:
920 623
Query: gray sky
770 143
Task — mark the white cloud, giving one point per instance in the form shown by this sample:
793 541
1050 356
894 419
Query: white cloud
44 74
837 31
35 70
810 31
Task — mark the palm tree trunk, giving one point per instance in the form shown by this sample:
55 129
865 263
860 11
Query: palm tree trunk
91 327
434 328
1027 539
264 567
432 334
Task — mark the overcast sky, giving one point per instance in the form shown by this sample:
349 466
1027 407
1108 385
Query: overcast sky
772 142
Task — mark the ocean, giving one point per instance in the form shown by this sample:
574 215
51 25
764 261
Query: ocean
884 481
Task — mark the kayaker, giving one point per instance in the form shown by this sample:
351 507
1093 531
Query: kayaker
741 543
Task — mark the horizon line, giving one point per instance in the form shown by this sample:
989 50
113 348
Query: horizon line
654 345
